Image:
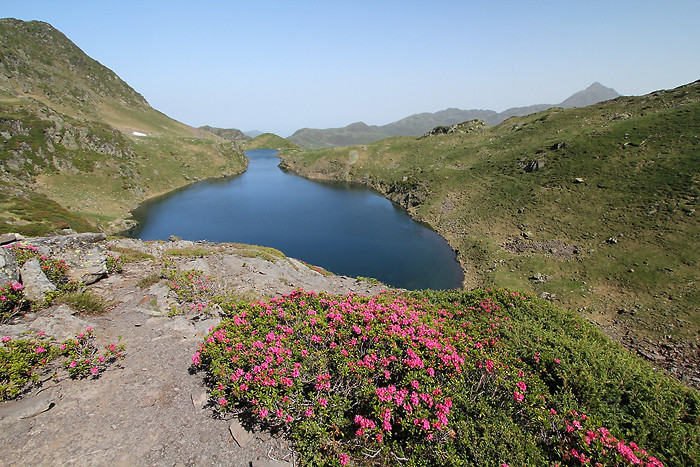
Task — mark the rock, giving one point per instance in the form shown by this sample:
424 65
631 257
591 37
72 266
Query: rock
579 180
242 436
10 238
611 240
35 282
270 463
87 266
531 166
539 278
9 269
27 407
60 323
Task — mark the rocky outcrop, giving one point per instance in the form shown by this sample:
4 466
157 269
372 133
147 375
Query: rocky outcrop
458 128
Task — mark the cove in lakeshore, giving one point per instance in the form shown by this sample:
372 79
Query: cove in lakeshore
344 228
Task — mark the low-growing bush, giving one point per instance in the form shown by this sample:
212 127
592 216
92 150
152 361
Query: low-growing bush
23 360
12 301
433 378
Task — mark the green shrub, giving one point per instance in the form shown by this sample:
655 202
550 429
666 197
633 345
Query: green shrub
431 378
22 360
12 301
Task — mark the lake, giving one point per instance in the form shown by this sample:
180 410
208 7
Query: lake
344 228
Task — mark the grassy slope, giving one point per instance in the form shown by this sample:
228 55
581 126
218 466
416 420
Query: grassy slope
638 161
67 124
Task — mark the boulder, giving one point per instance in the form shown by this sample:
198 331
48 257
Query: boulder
35 282
87 266
9 269
60 323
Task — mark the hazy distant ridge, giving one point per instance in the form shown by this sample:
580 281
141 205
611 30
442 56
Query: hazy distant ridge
418 124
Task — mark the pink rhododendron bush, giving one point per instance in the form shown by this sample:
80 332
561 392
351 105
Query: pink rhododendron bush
444 378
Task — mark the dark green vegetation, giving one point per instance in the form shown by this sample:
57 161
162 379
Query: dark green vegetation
593 207
417 124
70 150
445 378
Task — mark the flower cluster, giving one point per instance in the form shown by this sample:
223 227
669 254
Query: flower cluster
83 358
22 360
56 270
596 446
370 379
12 301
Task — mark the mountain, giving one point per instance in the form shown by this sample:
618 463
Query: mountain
418 124
253 133
79 147
230 134
593 94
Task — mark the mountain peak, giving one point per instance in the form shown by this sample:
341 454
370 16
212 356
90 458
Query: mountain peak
593 94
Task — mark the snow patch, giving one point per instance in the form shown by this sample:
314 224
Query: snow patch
138 133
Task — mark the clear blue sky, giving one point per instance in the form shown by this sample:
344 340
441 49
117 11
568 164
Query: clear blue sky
283 65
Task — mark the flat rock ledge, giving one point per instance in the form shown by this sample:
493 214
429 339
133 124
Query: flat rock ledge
151 410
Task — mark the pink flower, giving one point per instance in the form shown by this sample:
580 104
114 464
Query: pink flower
6 339
40 350
522 386
73 364
195 358
517 396
94 370
344 459
222 401
323 401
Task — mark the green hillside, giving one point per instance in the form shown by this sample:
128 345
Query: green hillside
81 143
594 208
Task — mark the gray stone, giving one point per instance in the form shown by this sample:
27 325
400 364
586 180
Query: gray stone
10 238
35 281
9 269
27 407
242 436
87 266
60 323
270 463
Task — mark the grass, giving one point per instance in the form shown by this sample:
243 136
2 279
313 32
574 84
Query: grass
262 252
85 302
636 161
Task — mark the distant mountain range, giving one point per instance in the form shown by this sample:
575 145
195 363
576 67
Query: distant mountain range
418 124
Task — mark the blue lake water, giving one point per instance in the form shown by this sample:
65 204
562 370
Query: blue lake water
346 229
